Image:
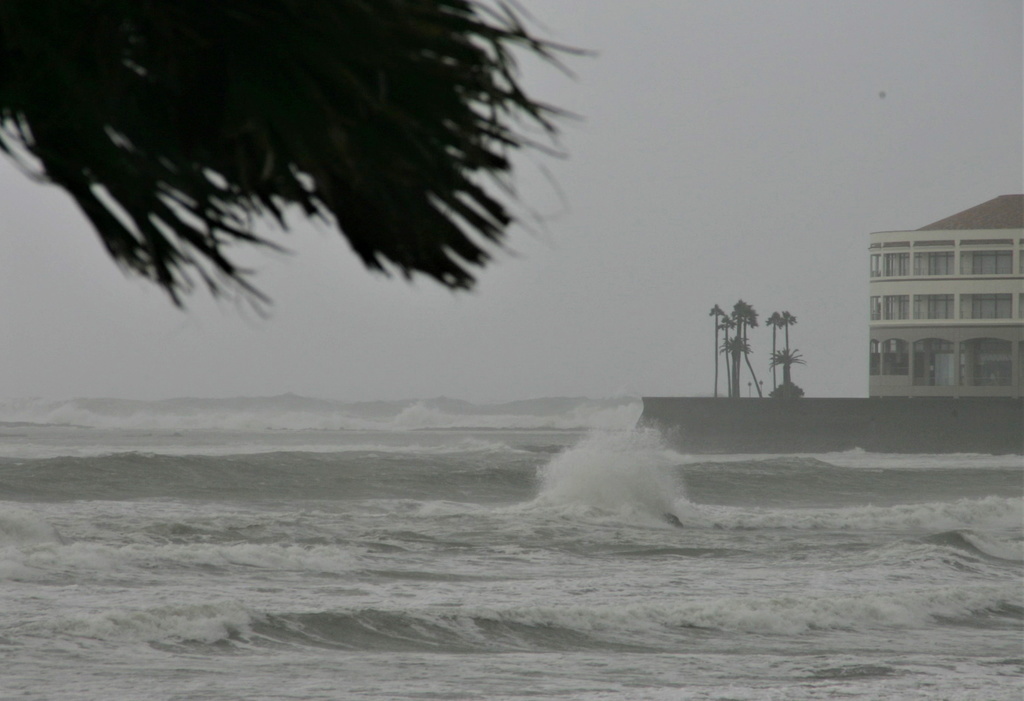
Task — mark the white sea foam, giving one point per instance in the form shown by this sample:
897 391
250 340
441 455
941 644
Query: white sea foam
909 461
203 623
780 615
20 529
20 526
861 459
985 513
660 623
649 622
52 443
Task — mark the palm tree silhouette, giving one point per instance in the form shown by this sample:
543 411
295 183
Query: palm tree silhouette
734 348
745 317
787 359
716 312
787 321
727 324
775 321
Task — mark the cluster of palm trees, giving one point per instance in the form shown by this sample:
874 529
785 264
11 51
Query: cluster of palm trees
735 346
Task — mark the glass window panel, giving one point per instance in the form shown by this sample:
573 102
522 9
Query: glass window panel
986 362
933 263
897 264
895 359
990 306
933 363
987 263
940 307
896 306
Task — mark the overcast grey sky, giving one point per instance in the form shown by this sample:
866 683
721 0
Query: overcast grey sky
727 150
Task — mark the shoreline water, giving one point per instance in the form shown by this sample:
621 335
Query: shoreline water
228 563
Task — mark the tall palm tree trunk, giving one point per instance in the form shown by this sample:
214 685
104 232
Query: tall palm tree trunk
736 372
746 356
717 352
728 363
736 362
775 374
716 312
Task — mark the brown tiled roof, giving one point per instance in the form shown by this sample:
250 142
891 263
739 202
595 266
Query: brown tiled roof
1003 212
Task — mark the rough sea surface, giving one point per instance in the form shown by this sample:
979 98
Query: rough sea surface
293 549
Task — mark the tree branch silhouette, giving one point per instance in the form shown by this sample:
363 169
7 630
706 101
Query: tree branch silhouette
174 124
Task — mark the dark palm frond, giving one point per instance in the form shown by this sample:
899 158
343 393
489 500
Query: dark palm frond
174 123
786 358
744 314
736 345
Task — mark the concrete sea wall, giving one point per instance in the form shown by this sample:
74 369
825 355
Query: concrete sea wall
882 425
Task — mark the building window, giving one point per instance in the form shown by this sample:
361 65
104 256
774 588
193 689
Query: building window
897 264
875 357
986 362
933 307
986 262
933 363
990 306
895 358
876 265
876 308
896 307
934 263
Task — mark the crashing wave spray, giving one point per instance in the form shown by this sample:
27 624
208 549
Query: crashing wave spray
623 472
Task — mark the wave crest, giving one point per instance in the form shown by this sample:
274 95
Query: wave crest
649 626
996 513
292 412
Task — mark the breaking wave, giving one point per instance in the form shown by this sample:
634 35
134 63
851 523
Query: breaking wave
639 626
292 412
20 526
626 473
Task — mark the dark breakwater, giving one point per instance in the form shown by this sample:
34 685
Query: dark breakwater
882 425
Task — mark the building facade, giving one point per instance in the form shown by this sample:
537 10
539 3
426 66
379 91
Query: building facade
947 305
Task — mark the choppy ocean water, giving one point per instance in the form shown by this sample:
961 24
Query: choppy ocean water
295 549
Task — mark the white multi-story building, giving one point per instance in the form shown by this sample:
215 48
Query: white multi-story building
947 305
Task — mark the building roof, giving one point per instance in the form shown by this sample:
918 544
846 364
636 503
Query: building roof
1003 212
